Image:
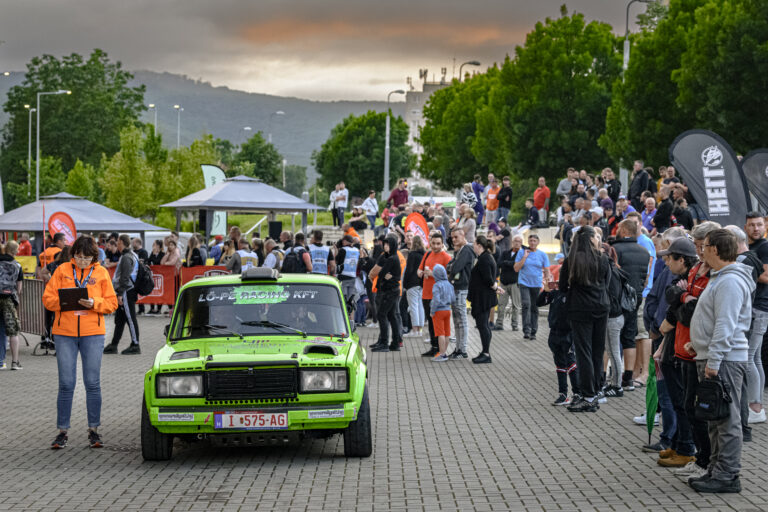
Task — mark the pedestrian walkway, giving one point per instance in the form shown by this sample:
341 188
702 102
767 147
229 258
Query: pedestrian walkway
448 436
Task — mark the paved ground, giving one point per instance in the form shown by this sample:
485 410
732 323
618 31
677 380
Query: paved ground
450 436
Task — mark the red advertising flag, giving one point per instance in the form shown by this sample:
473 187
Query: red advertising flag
415 222
61 222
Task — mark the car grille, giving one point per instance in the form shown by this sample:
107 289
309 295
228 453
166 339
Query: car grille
256 383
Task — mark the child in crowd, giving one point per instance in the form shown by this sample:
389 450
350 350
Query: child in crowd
560 342
440 310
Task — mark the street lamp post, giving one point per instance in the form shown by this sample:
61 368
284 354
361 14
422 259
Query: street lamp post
385 194
278 113
468 63
284 162
626 32
152 106
179 110
29 150
37 139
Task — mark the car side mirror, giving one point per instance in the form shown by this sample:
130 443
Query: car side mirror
166 329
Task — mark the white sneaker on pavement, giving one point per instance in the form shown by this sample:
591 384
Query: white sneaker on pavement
690 469
756 417
640 420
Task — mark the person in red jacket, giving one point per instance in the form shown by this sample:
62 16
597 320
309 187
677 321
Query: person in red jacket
81 330
400 194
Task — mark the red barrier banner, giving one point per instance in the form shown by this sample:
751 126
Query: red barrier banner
190 273
165 285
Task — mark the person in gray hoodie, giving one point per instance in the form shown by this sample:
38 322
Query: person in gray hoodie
440 310
718 337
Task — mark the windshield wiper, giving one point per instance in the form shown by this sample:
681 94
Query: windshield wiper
223 328
276 325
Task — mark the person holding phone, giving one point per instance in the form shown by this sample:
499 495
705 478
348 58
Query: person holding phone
80 331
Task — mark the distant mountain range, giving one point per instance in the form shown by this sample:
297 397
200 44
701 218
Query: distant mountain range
224 113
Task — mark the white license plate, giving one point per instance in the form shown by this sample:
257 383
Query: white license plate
250 420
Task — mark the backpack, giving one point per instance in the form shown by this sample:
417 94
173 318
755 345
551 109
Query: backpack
144 283
626 299
293 262
9 275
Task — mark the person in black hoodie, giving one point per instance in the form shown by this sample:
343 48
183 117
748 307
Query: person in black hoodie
560 343
388 296
482 294
584 278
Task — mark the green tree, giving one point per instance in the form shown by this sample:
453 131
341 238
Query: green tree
295 179
723 72
81 181
354 153
83 125
127 178
267 162
225 152
654 12
52 180
643 118
182 174
553 98
448 134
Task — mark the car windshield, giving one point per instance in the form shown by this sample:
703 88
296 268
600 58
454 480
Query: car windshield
259 309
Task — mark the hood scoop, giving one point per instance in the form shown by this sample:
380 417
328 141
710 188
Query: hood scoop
321 349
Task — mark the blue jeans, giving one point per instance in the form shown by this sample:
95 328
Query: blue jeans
372 220
91 349
668 416
503 214
340 215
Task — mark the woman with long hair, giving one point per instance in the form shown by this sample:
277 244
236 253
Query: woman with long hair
482 293
584 278
412 285
193 258
258 249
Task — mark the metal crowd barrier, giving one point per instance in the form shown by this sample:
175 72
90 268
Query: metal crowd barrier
31 311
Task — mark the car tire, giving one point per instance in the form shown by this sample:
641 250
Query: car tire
358 441
154 444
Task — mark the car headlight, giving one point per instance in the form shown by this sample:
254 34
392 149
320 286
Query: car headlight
185 354
323 380
179 385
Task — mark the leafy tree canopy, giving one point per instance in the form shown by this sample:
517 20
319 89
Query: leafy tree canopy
267 162
354 153
80 126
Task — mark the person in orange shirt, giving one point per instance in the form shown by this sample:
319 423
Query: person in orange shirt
349 230
50 253
492 202
437 254
541 199
25 248
82 331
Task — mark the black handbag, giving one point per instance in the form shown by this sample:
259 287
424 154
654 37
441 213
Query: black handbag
713 400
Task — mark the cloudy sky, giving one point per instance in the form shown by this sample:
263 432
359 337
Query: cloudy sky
316 49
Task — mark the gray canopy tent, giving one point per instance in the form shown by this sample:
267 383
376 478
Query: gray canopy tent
89 217
241 194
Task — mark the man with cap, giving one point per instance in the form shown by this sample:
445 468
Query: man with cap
218 247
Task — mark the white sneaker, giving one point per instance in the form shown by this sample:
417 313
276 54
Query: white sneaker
3 366
373 325
440 358
412 334
640 420
756 417
690 470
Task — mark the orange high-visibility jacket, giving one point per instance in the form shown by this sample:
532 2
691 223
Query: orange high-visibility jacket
87 322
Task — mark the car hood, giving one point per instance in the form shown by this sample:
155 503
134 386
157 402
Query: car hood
268 349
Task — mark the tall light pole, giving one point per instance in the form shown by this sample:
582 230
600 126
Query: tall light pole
468 63
284 162
278 113
385 194
29 150
152 106
179 110
246 129
37 139
626 32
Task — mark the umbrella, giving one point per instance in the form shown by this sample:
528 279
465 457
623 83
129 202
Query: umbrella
651 398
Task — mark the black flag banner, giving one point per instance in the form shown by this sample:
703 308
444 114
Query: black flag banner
755 167
712 174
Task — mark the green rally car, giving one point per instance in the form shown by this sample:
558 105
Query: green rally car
257 358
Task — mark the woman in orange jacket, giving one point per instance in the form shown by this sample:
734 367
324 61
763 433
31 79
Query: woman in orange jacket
80 331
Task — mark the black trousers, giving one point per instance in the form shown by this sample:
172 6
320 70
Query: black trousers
589 344
389 303
126 315
561 345
481 321
402 313
699 428
683 440
371 299
432 337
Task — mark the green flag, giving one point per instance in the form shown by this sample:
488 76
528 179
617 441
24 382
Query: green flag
651 398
